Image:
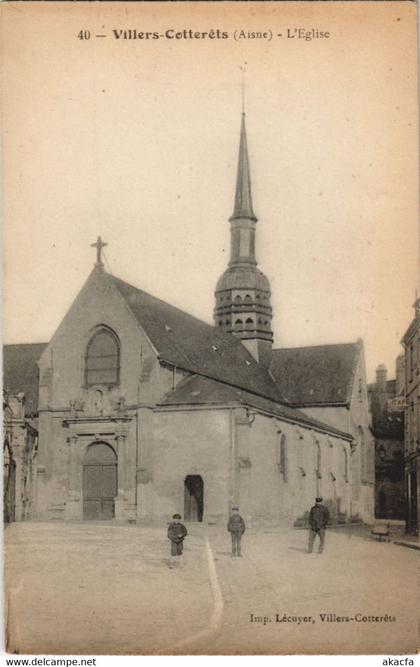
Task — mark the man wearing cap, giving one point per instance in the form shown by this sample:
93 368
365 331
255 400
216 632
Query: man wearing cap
176 533
318 519
236 528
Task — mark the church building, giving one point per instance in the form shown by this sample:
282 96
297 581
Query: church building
143 410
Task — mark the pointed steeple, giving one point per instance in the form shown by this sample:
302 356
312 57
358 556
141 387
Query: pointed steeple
243 198
243 294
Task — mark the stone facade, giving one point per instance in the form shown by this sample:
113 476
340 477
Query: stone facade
273 468
386 398
411 342
19 460
72 416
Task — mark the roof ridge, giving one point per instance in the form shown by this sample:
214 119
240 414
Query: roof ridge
307 347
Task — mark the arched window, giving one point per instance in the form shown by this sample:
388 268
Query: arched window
345 465
102 362
248 298
249 323
238 324
282 457
318 461
238 298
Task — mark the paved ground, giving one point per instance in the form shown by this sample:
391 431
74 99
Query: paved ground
102 588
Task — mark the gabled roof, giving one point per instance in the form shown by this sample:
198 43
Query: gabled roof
197 390
195 346
20 372
319 375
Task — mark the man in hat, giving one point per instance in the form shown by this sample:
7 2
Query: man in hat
176 533
236 528
318 519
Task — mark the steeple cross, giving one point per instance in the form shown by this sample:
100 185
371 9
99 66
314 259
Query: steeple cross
243 70
99 245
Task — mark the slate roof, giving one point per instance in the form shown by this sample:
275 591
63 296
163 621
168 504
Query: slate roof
319 375
20 372
224 371
194 345
198 390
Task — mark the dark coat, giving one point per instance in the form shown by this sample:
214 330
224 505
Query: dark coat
318 517
236 524
177 532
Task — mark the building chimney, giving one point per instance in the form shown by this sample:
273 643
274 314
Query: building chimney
381 378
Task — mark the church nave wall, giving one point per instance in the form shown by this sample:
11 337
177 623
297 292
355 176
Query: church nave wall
193 443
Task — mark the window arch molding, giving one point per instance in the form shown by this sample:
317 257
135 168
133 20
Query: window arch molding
102 357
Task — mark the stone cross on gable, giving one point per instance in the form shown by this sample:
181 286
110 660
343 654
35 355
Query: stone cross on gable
99 245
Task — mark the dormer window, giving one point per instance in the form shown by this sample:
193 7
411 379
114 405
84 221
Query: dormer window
102 361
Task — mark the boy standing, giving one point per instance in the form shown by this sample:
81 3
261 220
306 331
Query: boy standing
176 533
236 528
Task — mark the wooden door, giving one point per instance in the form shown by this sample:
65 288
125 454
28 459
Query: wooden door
99 482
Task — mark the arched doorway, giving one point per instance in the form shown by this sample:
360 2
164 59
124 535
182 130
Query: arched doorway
99 481
193 498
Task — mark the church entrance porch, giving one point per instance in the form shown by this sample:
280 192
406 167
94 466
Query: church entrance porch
99 482
193 498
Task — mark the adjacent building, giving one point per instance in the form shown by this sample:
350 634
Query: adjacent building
387 404
411 342
20 430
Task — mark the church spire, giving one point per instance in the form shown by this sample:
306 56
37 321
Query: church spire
243 198
243 295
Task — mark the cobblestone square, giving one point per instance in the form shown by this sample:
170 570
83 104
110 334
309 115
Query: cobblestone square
107 589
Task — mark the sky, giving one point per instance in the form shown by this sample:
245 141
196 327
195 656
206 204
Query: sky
137 141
